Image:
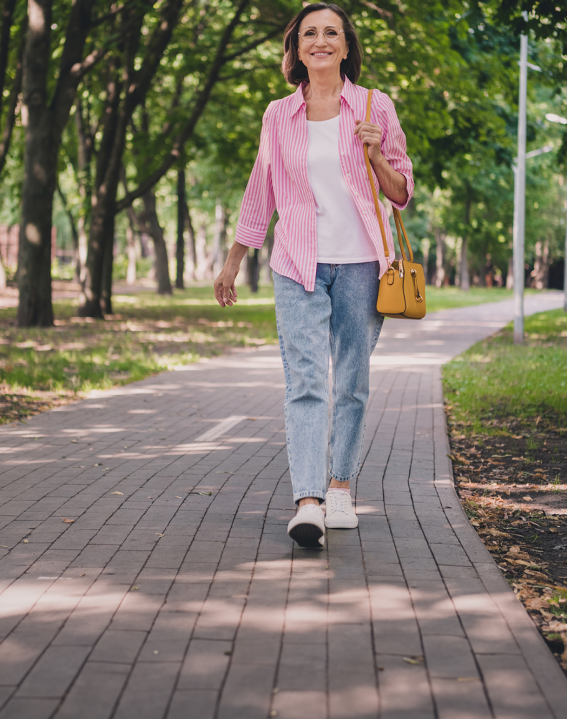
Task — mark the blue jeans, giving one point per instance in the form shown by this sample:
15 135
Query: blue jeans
338 319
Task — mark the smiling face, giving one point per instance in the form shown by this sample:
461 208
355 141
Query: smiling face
323 54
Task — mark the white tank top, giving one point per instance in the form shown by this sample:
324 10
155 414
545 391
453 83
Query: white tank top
341 234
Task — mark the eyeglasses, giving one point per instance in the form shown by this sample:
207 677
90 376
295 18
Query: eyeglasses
310 34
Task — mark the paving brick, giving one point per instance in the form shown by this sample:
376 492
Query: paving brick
53 673
121 646
205 665
148 691
95 692
29 708
247 692
193 704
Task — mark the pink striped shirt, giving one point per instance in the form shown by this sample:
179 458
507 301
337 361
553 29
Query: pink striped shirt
279 180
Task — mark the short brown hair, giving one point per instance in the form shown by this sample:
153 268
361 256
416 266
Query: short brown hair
295 71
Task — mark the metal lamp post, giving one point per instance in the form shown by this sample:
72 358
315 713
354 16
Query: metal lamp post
520 199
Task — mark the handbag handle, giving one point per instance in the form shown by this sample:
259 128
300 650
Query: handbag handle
397 215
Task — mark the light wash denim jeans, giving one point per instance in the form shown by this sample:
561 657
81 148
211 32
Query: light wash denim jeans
338 319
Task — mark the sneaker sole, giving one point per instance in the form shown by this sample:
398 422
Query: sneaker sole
306 535
341 526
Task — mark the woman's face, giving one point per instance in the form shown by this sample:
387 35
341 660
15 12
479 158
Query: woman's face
320 52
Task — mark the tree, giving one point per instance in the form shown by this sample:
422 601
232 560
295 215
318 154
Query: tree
44 118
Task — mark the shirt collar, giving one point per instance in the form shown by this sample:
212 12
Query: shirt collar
348 94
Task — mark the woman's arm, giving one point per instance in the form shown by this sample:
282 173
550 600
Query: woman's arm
225 289
392 183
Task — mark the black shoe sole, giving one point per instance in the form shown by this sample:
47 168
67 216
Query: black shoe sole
307 535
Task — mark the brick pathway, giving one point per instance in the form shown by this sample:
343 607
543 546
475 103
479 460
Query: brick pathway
177 593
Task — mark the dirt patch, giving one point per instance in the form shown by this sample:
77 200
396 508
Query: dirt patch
513 488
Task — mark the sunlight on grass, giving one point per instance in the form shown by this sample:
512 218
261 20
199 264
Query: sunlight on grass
497 379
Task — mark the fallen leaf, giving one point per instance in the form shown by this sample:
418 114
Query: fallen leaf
116 493
74 441
134 587
25 541
82 574
537 603
160 534
97 464
156 652
66 520
498 533
5 546
412 661
178 497
528 498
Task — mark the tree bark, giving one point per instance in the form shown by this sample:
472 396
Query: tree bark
201 250
253 268
131 243
440 258
108 262
153 228
541 265
180 246
465 283
40 160
192 244
44 123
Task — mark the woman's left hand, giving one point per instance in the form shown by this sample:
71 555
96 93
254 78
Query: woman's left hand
371 135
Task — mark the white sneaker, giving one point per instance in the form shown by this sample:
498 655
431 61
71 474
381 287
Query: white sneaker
340 513
308 527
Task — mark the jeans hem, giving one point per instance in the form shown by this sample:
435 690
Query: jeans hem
345 479
308 493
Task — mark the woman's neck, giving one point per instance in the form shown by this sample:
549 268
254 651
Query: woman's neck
323 87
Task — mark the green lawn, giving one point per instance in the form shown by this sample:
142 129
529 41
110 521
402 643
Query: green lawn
496 381
148 333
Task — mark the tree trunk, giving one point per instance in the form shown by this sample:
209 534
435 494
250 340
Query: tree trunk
107 267
464 277
85 137
101 233
44 124
541 265
131 243
40 168
201 251
151 223
440 258
180 245
253 268
192 264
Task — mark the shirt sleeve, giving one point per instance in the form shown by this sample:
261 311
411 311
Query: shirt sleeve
394 145
259 202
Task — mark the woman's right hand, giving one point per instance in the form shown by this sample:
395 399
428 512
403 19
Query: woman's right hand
225 289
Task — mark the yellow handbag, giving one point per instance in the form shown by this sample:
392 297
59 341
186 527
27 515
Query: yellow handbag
402 288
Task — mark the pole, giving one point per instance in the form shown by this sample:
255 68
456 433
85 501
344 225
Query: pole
520 199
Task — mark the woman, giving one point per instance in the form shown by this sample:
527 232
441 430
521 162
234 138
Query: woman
328 255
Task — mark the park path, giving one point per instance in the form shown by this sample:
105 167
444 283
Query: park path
177 593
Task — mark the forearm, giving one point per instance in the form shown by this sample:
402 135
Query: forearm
235 255
392 183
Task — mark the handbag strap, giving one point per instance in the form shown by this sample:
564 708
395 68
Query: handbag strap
397 215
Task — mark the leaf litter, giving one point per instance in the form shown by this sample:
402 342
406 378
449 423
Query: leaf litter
519 509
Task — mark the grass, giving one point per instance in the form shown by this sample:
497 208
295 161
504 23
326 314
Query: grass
496 379
147 334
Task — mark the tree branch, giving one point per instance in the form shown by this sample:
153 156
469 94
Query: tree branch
199 106
7 20
13 101
79 70
252 45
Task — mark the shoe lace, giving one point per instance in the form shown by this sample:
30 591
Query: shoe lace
338 501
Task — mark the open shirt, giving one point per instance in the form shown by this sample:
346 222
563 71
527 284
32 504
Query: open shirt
279 180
